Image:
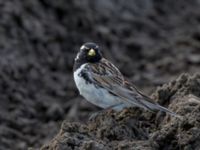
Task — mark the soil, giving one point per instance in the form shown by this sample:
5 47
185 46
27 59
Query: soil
138 129
151 41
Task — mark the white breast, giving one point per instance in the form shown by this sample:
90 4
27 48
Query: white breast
96 96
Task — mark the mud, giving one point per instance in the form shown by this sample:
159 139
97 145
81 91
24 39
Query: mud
151 41
138 129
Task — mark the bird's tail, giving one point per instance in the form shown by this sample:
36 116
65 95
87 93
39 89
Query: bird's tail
156 106
163 109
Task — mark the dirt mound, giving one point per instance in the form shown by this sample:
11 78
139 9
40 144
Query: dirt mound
138 129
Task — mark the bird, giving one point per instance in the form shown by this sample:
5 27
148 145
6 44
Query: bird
101 83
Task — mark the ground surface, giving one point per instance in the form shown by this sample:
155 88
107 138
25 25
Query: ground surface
140 130
151 41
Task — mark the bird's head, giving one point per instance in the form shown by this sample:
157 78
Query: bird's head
89 52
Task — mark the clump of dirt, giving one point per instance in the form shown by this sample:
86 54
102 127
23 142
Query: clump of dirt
134 128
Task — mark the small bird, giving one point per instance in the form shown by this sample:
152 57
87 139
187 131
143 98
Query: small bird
102 84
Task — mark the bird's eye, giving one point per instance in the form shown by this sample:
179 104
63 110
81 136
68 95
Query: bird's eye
91 52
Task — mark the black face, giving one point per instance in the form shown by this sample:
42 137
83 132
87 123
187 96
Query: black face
89 53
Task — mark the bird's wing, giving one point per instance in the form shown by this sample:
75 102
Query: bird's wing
107 76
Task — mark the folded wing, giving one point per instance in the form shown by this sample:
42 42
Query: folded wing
113 81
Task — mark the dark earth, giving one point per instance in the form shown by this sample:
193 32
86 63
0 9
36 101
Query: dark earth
151 41
140 130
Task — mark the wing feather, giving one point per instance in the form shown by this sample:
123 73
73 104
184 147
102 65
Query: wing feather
112 80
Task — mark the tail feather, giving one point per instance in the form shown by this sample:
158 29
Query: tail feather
156 106
161 108
152 105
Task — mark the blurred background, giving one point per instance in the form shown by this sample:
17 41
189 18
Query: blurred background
151 41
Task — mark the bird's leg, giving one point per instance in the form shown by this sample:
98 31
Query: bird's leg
94 115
